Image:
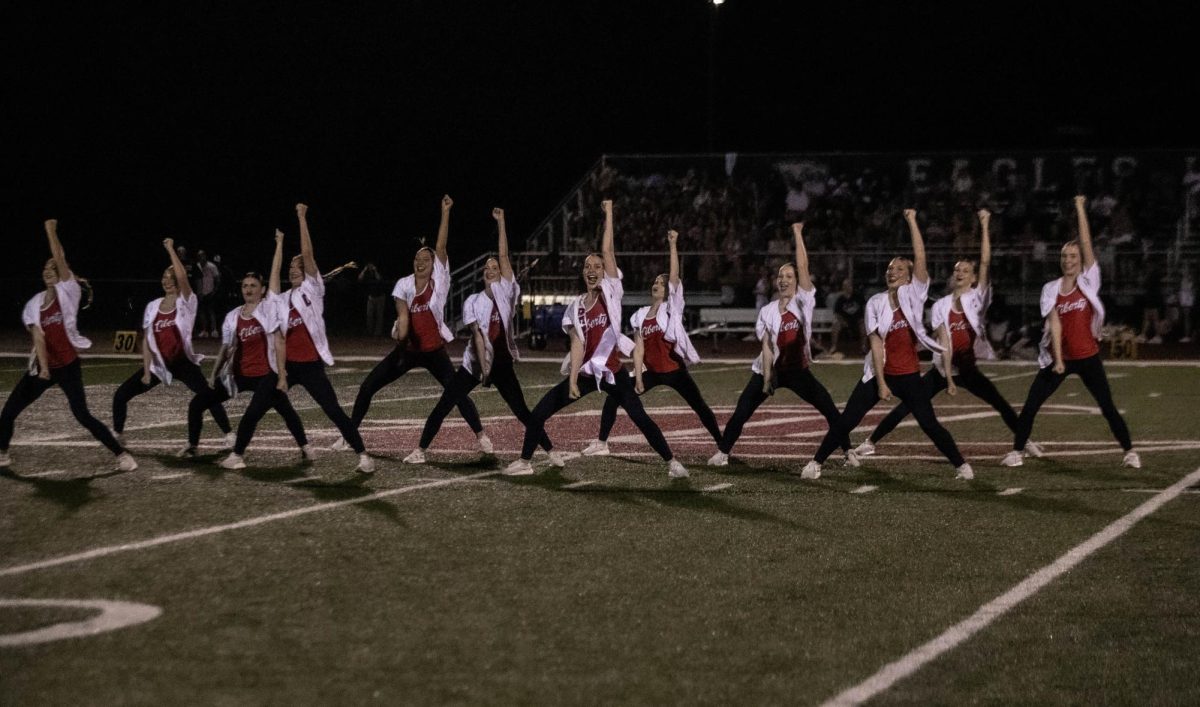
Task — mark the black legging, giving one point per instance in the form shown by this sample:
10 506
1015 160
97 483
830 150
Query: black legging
70 379
311 375
913 393
970 378
185 372
503 376
801 382
679 380
264 396
401 361
1091 370
559 397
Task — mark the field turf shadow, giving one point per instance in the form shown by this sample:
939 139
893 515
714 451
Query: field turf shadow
71 494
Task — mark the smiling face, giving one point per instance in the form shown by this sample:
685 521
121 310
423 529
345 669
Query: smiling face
252 289
170 287
964 275
785 281
1070 259
50 273
899 273
658 290
491 271
296 271
593 271
423 263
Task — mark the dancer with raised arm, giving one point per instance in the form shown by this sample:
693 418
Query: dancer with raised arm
50 317
1074 317
253 357
958 321
592 323
167 355
896 327
661 354
785 329
490 356
303 309
421 332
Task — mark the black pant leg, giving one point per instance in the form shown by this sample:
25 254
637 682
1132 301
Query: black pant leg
862 399
554 400
128 390
915 395
504 377
27 390
752 396
1044 384
811 391
459 386
934 383
683 383
390 368
622 388
262 398
981 386
312 376
1091 370
203 398
438 364
70 379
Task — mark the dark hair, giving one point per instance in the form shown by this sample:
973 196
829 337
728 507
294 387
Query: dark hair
254 274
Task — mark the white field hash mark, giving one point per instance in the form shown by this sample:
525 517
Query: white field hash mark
1011 491
906 665
866 488
107 550
716 487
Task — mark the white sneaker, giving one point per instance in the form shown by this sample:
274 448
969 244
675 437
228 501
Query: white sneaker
557 459
188 452
485 443
233 461
520 467
126 462
416 456
307 453
340 445
852 459
5 460
811 470
1013 458
719 459
865 449
965 472
1132 460
229 440
1033 449
675 470
366 465
596 448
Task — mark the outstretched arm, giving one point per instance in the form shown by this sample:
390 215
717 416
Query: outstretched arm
803 277
181 278
56 251
306 249
276 263
506 270
1085 233
918 245
985 248
607 250
672 237
444 230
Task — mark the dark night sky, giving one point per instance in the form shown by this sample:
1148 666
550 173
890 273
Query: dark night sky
130 121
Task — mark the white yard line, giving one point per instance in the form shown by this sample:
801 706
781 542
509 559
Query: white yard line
867 488
164 477
578 484
107 550
1010 491
906 665
716 487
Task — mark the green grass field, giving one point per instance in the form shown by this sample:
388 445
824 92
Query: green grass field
603 582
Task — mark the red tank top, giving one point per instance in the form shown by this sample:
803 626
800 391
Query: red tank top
901 347
496 335
423 332
300 347
252 348
1075 313
962 338
658 353
595 323
790 344
59 350
166 336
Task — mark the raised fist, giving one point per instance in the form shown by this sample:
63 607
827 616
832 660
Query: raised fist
910 215
798 229
498 213
672 236
606 206
51 225
447 202
278 236
1080 200
301 210
169 244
